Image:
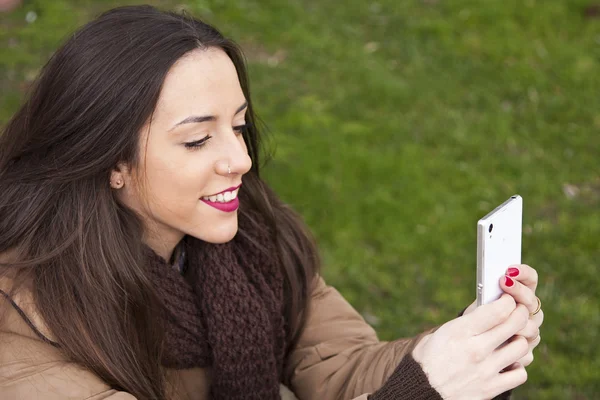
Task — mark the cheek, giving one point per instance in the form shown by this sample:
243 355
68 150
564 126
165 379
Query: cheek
177 180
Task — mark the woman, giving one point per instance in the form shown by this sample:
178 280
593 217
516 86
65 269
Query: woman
144 258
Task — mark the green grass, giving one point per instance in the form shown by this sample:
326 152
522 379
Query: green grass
398 124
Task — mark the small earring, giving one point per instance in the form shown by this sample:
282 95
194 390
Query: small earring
228 170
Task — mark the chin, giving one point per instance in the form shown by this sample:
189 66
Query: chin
218 235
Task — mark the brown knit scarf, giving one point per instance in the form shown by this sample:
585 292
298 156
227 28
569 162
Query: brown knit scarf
226 312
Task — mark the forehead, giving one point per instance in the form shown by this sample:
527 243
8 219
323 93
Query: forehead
202 82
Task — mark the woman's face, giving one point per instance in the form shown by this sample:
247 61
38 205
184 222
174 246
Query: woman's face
192 155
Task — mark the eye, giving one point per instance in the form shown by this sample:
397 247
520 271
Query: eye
197 143
240 129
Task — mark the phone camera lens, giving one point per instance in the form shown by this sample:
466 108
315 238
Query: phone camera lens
491 227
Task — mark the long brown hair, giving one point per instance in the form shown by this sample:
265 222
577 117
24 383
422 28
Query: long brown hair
67 234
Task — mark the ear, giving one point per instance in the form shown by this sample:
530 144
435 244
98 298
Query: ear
119 176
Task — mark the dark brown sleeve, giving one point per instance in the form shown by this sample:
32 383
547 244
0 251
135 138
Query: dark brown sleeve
408 382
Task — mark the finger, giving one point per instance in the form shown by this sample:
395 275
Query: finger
531 330
512 378
527 359
512 366
538 318
471 308
511 352
495 337
521 293
535 342
524 274
487 316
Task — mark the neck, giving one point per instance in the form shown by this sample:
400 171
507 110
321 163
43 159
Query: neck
163 245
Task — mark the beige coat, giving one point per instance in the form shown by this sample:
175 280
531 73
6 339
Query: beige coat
337 357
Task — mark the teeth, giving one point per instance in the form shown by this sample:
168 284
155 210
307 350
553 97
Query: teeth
222 197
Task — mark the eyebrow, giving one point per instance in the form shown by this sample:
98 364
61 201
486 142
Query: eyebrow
198 119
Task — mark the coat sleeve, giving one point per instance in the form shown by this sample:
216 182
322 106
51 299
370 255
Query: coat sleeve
58 381
338 355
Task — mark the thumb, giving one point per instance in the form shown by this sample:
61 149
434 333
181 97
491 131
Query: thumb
486 317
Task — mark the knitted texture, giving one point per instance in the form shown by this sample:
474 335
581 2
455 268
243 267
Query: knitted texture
226 312
407 382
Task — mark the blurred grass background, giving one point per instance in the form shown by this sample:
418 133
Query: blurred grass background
397 125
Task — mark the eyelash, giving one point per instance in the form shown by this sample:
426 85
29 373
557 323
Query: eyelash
239 129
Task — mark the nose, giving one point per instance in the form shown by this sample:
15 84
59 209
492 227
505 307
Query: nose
236 160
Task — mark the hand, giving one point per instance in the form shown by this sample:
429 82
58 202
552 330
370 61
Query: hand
525 280
465 357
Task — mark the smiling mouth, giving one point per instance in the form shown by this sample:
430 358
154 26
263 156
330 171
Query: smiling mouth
225 196
226 201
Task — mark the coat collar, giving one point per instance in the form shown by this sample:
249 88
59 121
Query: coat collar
18 310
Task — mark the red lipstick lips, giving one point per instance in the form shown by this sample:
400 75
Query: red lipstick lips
228 206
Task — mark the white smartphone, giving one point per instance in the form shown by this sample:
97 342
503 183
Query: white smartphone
498 247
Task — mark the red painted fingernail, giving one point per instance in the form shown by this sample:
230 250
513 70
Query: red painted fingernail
513 272
509 282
